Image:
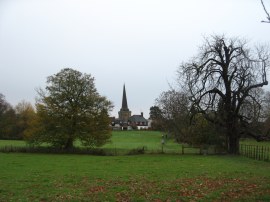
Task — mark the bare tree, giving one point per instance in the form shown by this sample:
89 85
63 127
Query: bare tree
266 12
222 79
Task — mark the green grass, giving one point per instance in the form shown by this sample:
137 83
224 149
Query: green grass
254 142
122 142
149 177
19 143
37 177
151 140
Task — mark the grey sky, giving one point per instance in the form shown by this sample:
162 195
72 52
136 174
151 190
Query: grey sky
137 42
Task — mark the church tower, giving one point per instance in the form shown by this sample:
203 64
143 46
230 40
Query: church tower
124 112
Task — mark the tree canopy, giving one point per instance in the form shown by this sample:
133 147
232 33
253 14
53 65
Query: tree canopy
155 115
25 114
7 119
70 109
174 106
223 81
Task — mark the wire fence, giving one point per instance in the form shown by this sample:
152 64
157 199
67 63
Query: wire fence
256 152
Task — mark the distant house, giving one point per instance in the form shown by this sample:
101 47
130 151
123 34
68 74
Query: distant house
125 121
138 121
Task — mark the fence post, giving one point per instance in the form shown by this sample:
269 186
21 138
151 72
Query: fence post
241 149
255 152
267 153
262 153
182 149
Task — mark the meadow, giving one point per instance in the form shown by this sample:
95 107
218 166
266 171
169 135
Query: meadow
123 142
149 140
148 177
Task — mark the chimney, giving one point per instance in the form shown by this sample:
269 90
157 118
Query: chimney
141 114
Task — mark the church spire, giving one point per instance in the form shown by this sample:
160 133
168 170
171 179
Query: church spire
124 112
124 100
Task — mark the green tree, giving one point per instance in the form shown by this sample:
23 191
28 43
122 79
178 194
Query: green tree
175 110
7 120
223 80
203 132
156 117
186 127
70 109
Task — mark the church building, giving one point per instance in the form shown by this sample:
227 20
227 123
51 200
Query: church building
125 120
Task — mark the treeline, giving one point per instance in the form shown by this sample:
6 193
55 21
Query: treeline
15 120
218 99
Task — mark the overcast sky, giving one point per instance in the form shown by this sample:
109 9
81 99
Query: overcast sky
137 42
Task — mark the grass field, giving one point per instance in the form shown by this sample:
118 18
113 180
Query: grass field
40 177
122 142
149 177
254 142
151 140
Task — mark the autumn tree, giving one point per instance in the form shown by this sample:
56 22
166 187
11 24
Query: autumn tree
222 79
70 109
25 113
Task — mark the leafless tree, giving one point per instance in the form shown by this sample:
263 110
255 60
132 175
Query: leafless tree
266 12
222 79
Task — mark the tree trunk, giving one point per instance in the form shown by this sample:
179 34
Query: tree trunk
69 144
232 132
233 144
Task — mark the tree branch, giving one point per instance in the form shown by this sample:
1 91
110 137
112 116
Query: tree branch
268 16
215 91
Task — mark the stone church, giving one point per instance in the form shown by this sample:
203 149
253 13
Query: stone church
125 120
